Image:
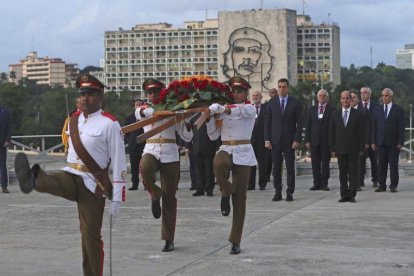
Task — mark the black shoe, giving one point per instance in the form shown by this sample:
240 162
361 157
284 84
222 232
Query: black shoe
235 249
250 188
4 190
133 189
380 189
209 193
393 189
156 208
168 247
314 188
352 200
289 197
375 184
277 197
198 193
225 205
262 188
343 199
27 180
325 188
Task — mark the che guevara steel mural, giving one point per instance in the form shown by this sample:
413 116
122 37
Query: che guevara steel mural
249 56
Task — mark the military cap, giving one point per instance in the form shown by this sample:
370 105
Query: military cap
150 84
87 81
238 82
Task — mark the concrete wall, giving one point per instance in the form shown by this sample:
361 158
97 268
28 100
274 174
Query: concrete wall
259 45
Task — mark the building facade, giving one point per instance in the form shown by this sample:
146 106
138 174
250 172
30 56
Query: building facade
318 51
160 51
259 45
49 71
405 57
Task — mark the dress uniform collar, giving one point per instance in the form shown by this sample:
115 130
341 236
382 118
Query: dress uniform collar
92 114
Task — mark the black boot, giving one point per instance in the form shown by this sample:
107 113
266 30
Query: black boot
156 208
169 246
225 205
235 249
25 176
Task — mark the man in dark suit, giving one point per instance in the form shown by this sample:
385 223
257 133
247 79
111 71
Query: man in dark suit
370 106
258 143
388 138
5 141
203 151
355 104
346 141
283 130
134 149
316 139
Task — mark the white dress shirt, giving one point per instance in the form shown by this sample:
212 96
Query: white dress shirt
236 126
101 136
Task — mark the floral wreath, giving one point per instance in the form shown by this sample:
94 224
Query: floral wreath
195 91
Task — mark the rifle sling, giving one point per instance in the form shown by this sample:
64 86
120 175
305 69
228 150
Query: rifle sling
101 175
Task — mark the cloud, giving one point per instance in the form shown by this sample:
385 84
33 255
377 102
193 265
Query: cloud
74 30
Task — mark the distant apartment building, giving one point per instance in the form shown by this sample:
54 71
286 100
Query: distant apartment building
160 51
259 45
318 51
405 57
44 70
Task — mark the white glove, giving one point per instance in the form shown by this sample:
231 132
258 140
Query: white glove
148 112
114 210
215 108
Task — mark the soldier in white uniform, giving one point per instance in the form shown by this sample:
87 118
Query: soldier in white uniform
101 136
236 154
161 154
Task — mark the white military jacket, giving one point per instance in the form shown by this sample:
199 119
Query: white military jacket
165 152
101 135
236 126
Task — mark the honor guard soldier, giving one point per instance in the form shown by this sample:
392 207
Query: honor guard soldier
95 143
161 154
235 124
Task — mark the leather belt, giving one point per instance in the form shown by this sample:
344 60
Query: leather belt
235 142
79 167
162 141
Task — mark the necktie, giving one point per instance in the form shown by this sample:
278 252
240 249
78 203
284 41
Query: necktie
257 109
345 117
321 107
386 111
366 105
282 106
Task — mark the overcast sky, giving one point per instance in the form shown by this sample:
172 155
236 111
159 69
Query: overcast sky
74 29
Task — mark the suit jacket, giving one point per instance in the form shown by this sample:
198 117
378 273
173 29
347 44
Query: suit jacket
389 131
368 118
258 129
317 130
131 138
201 143
286 127
349 139
5 128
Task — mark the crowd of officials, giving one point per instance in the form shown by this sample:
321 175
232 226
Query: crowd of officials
237 140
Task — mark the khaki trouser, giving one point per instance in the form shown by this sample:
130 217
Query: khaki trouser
169 177
90 209
223 164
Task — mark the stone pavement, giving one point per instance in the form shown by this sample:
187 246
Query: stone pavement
313 235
